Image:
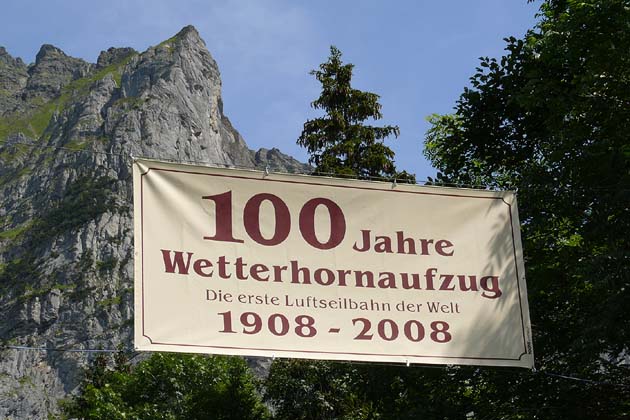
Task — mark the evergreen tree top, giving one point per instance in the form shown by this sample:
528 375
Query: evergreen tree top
340 142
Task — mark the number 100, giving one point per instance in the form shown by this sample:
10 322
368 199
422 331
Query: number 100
282 215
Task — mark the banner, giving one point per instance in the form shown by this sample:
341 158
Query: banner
246 263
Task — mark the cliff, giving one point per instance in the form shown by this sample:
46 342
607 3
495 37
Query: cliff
68 131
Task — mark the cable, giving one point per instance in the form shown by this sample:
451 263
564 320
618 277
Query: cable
59 349
589 381
351 362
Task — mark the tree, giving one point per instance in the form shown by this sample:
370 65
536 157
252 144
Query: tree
168 386
341 143
551 118
305 390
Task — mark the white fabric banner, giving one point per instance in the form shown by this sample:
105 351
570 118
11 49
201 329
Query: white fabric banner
238 262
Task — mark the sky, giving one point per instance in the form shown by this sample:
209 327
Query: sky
417 55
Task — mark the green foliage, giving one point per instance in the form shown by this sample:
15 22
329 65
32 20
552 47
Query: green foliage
168 386
76 145
106 265
113 301
167 43
305 390
30 292
32 123
12 234
551 118
80 87
341 143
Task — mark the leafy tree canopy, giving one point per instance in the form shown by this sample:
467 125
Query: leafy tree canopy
306 390
341 142
168 387
551 118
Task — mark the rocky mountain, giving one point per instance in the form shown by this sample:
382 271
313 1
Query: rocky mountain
68 131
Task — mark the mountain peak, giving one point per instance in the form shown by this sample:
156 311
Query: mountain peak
113 55
188 30
48 51
52 70
6 58
187 37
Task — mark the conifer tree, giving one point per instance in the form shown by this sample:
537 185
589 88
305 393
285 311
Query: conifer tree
341 142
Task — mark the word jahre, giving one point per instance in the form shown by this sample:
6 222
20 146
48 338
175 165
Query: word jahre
403 245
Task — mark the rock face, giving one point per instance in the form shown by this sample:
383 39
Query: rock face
13 78
68 131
